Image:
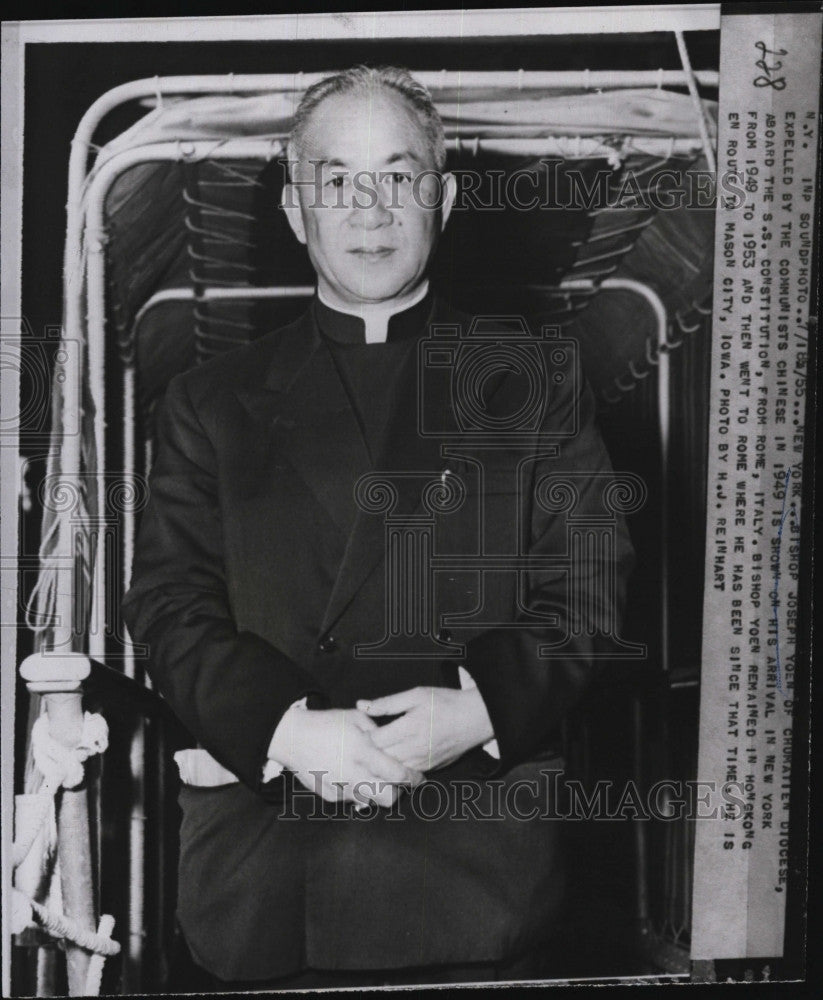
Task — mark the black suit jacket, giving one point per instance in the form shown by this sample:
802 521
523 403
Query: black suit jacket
257 573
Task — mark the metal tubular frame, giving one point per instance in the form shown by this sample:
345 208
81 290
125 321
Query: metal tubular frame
100 184
186 294
664 418
241 84
85 259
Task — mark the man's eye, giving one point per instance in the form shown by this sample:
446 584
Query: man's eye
337 181
400 178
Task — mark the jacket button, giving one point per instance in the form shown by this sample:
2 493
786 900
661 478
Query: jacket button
327 644
444 635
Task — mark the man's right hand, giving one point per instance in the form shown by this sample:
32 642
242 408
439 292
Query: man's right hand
331 752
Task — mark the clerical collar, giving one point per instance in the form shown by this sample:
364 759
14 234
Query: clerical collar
373 324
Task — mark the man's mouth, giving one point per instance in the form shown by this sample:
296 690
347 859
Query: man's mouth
372 253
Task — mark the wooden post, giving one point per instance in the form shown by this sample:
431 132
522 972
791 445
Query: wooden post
58 678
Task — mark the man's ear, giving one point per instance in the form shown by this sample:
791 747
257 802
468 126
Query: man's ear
290 203
449 188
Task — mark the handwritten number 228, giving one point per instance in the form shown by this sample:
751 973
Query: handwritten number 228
775 82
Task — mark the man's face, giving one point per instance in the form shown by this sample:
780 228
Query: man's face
368 224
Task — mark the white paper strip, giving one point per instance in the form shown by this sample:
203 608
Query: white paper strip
763 265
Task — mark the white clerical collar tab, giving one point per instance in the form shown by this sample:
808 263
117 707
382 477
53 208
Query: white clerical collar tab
376 317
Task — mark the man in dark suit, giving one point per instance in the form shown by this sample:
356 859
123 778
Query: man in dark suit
362 595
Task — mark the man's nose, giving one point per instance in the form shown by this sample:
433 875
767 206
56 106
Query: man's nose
369 206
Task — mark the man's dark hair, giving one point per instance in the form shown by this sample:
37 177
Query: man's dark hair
368 79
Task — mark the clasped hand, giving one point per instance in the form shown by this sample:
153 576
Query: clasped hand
344 754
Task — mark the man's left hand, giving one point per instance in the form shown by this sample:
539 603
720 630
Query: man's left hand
437 725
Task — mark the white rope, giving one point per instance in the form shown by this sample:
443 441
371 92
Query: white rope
35 822
61 766
60 926
94 973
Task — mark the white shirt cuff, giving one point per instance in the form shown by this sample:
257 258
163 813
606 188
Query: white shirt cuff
273 768
467 684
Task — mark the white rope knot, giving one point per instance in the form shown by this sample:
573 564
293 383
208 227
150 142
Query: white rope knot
26 911
613 158
22 915
62 765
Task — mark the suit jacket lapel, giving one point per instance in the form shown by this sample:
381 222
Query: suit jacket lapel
307 417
